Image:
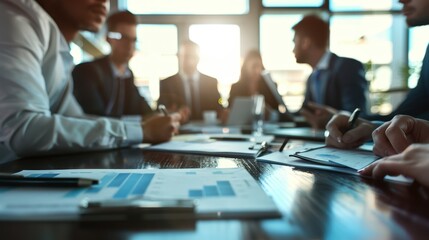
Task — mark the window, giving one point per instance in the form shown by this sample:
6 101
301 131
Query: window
364 5
419 39
219 53
187 6
292 3
377 41
276 36
155 57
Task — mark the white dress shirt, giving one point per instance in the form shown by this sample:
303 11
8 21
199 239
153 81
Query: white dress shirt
38 112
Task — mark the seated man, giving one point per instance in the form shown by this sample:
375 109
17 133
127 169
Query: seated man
105 86
336 82
189 91
39 114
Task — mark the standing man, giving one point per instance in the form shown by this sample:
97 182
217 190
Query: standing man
189 91
336 82
39 114
105 86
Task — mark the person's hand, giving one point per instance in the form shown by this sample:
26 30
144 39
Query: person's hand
185 114
317 115
160 128
396 135
412 162
339 137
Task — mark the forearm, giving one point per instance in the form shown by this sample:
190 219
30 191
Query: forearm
31 134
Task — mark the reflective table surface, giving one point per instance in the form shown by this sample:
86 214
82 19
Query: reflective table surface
314 204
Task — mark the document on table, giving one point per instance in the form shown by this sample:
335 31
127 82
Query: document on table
216 193
208 147
352 158
288 157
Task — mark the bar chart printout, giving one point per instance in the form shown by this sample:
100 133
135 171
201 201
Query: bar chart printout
218 192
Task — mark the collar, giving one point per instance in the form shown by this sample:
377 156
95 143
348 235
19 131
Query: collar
324 61
116 72
194 77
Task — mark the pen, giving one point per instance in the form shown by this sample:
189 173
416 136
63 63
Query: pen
163 109
263 149
284 144
20 181
353 118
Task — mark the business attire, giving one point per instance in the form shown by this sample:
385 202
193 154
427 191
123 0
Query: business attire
338 82
416 102
240 89
198 92
39 114
101 90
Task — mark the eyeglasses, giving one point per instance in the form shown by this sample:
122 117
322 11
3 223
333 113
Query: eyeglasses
121 37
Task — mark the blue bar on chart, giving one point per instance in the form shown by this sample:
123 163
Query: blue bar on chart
118 180
143 184
74 193
225 188
128 186
210 191
195 193
103 182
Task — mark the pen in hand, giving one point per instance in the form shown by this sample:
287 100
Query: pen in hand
353 119
163 109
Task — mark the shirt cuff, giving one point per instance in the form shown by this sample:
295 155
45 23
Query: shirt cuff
134 133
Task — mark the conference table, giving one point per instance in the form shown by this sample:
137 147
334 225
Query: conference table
313 204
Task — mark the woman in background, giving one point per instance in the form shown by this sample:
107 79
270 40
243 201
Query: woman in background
251 82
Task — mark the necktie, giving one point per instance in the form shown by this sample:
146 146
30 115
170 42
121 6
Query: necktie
317 86
116 103
193 85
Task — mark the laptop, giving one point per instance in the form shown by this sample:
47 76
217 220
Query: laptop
241 112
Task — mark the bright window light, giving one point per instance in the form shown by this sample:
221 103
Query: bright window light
219 52
188 6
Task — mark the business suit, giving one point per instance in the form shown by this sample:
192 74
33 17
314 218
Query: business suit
173 94
344 85
97 91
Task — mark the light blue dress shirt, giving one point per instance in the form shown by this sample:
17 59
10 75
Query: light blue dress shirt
38 112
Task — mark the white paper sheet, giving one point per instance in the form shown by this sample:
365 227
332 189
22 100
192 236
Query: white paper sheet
216 193
208 147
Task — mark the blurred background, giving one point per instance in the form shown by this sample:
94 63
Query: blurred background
373 32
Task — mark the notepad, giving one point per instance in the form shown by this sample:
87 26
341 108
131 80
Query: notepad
352 158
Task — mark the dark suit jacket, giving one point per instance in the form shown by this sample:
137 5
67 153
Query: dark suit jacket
346 87
416 103
172 94
95 86
240 89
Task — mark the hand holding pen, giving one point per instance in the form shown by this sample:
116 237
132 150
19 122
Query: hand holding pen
348 131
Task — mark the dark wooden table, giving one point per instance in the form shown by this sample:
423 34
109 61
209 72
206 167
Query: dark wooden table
314 204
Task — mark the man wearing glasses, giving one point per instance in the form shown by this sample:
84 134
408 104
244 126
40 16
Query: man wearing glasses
105 86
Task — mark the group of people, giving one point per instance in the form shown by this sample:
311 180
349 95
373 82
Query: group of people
43 113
